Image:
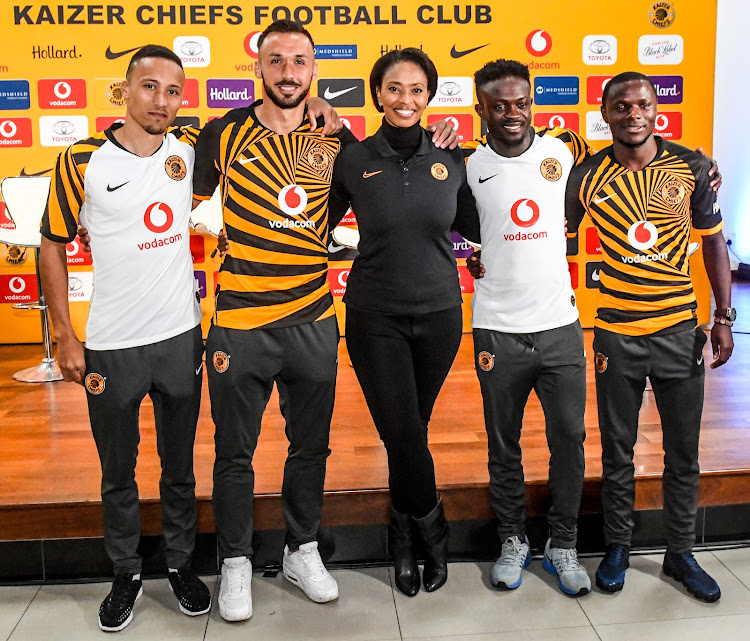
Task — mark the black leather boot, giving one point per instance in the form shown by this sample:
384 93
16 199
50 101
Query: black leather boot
404 560
433 529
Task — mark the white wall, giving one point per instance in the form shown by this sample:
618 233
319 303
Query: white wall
731 131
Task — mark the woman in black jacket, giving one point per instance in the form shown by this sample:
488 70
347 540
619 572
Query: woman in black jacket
403 318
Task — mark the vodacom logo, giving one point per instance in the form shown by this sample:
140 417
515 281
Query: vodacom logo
662 122
292 200
62 90
453 121
524 212
642 235
8 128
343 277
539 43
158 217
71 249
556 121
17 284
251 43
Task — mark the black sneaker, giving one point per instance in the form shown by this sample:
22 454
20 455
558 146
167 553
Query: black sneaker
192 594
116 611
610 575
685 569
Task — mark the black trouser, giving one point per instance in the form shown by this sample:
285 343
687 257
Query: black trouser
401 363
674 363
509 366
302 361
170 372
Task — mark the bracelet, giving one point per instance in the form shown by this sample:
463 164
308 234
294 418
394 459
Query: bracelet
723 321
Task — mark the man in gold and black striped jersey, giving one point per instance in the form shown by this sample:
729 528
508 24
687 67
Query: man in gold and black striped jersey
644 194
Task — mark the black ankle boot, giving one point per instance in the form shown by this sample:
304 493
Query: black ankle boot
404 560
433 529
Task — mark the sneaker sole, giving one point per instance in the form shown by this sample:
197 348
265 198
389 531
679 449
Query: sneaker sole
317 599
612 586
547 565
127 621
190 613
512 586
707 598
228 615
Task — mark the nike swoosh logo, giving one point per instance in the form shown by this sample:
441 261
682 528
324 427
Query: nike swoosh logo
599 201
332 249
244 161
461 54
369 174
116 188
38 173
700 360
200 367
484 180
329 95
111 55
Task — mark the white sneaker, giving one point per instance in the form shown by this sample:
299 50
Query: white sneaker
305 569
235 599
563 563
515 556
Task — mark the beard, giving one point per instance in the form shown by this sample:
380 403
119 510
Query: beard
282 101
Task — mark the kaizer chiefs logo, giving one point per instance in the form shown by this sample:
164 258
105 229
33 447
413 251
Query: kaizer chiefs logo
673 192
175 168
113 93
661 14
486 361
14 255
95 383
551 169
221 362
600 362
439 171
319 159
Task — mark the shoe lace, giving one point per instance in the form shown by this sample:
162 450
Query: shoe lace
616 555
566 560
512 552
313 564
236 577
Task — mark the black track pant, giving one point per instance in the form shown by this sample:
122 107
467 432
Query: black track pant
242 367
509 366
674 363
401 363
170 372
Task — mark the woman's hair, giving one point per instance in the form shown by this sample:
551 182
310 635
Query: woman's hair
416 56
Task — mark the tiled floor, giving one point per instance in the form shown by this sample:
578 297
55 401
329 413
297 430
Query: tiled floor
467 609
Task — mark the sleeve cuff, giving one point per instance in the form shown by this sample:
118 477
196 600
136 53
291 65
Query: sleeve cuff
709 232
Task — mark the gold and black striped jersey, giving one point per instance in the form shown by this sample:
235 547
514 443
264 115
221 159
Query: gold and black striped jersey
577 145
644 220
274 190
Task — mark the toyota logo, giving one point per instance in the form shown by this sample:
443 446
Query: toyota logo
450 88
63 127
74 284
599 47
8 128
191 48
62 90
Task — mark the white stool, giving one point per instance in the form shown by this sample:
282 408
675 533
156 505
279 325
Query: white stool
25 199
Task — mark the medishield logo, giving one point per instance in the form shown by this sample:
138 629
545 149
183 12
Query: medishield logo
336 52
15 94
556 90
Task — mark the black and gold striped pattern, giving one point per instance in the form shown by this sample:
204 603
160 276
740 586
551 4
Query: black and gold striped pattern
644 290
60 220
275 273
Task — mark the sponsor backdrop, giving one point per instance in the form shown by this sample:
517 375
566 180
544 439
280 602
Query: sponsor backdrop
61 66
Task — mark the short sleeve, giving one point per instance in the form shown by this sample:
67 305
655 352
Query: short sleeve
60 220
207 172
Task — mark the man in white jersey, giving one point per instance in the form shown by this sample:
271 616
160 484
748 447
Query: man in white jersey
131 186
526 330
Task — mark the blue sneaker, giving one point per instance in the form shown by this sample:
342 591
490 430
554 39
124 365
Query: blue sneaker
610 575
684 568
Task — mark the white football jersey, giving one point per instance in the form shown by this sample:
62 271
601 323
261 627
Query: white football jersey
521 202
137 213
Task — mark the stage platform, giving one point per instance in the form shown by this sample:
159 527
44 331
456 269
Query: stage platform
49 469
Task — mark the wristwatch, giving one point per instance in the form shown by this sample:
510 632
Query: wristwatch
725 316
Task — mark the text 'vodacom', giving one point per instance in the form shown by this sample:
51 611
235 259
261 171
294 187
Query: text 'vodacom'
199 14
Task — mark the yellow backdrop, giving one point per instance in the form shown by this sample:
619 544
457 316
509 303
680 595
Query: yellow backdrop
61 64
